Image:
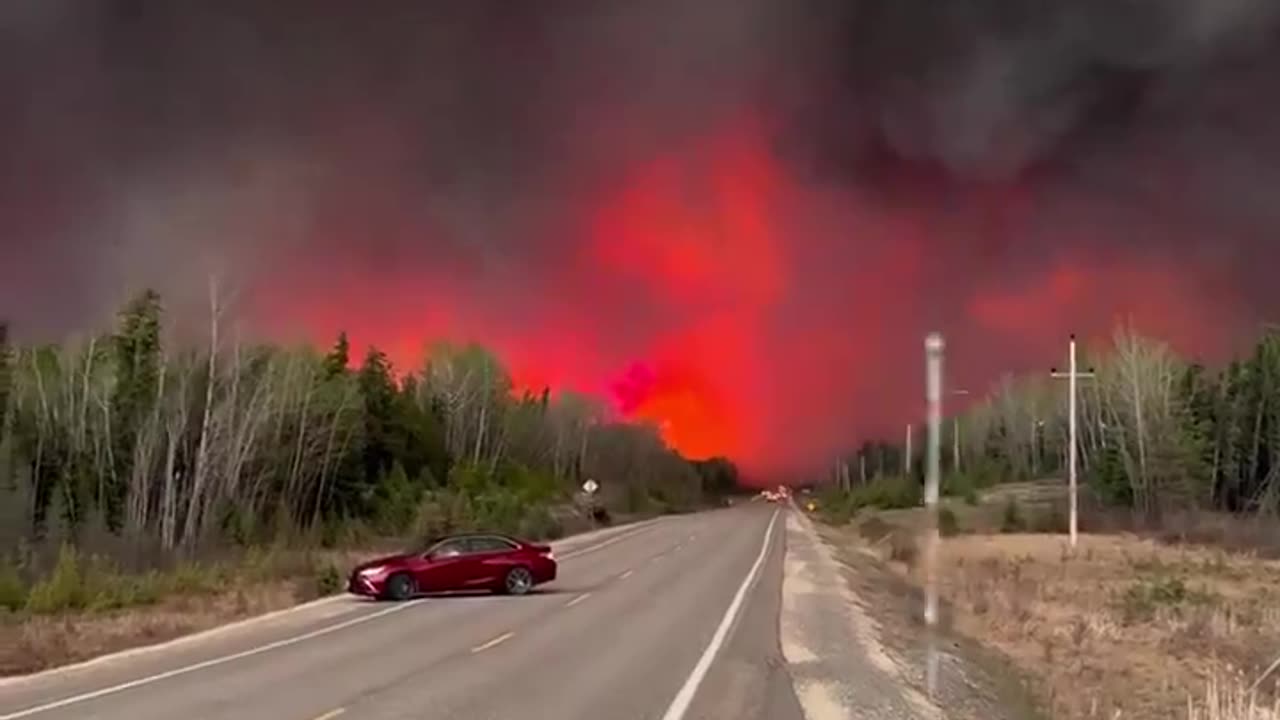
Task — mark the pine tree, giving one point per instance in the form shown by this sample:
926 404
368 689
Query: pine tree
137 365
336 362
378 391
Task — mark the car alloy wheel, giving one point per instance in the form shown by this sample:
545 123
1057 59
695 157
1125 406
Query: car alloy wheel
400 587
519 581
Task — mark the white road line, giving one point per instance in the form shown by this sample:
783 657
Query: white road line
577 600
615 539
493 643
181 641
680 704
626 575
75 699
332 714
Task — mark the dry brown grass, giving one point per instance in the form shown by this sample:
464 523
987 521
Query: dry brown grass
1122 625
261 583
36 643
1230 699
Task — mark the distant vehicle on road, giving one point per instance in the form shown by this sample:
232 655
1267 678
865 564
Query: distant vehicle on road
474 561
780 495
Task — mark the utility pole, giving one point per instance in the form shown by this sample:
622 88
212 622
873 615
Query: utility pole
933 345
1035 448
955 436
862 468
906 459
1072 375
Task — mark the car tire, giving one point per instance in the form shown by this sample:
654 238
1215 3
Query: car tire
517 581
399 587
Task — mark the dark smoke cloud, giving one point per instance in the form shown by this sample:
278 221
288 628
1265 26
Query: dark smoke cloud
1003 170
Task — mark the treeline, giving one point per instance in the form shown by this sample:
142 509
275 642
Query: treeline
183 444
1157 431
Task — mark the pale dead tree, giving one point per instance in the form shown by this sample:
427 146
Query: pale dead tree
572 417
43 425
981 424
176 420
1143 401
307 376
447 380
222 452
200 469
475 393
247 434
338 439
153 437
1012 418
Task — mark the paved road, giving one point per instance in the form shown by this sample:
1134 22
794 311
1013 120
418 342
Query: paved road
673 619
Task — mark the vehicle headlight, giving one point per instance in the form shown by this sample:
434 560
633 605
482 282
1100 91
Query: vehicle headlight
370 572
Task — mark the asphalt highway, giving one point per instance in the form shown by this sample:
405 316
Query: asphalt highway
672 619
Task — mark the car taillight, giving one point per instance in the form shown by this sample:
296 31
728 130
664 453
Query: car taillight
548 554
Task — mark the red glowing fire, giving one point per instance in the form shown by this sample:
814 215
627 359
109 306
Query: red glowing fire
681 303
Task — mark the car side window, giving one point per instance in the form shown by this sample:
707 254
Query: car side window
449 548
490 544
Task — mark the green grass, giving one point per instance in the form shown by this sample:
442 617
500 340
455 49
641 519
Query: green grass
885 493
87 583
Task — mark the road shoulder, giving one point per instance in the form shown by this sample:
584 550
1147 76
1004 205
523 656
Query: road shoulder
972 682
832 645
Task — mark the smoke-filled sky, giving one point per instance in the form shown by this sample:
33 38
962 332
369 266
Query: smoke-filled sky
735 216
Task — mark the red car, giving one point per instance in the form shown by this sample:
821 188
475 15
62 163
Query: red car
488 561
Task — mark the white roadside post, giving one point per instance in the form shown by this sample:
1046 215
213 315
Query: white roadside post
1072 375
933 395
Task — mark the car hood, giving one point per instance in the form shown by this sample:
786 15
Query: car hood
398 559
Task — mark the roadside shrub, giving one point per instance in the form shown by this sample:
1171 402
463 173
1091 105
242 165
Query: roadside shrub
1140 601
948 525
1012 521
397 502
13 592
890 493
1051 521
112 591
835 506
328 580
837 512
962 485
195 579
539 524
64 588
